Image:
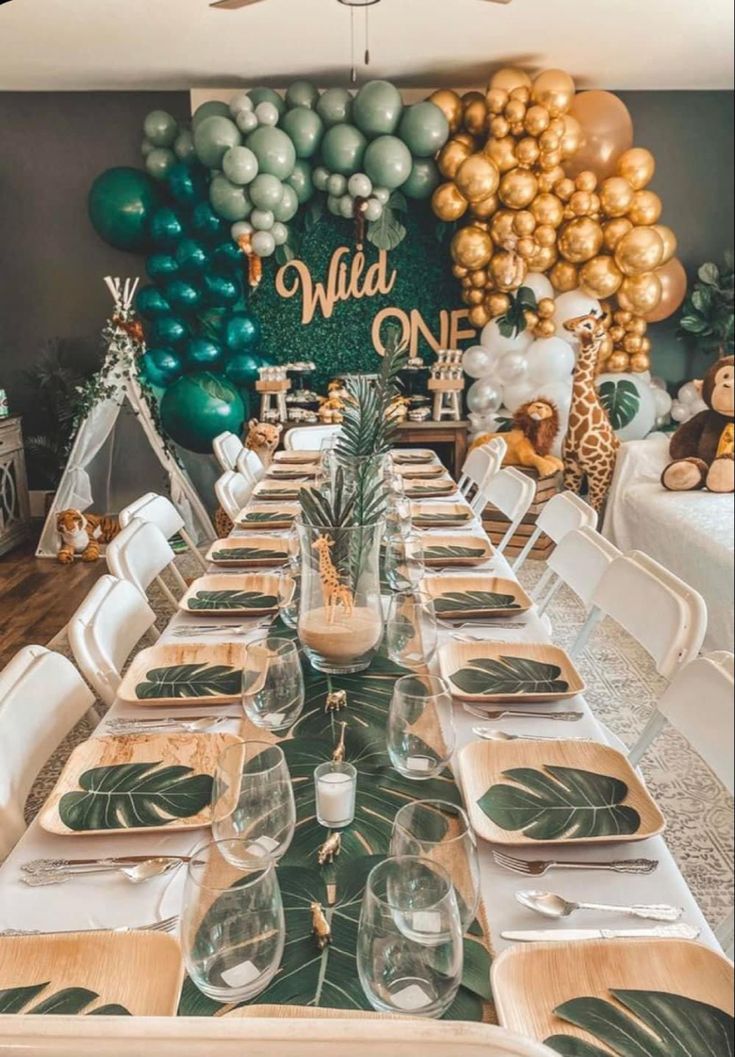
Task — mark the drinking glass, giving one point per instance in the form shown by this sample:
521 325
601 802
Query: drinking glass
252 801
232 925
411 630
420 726
289 592
409 938
398 515
440 832
404 561
272 683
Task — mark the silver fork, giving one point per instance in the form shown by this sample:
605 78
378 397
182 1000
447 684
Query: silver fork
188 725
164 925
538 867
519 713
221 629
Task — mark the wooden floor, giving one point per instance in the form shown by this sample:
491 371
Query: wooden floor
37 597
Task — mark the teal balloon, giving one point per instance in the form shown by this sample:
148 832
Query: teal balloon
377 108
305 128
227 258
201 354
229 200
424 129
160 128
168 331
186 184
267 95
335 106
243 369
192 258
242 333
423 179
213 137
184 146
212 321
197 407
388 162
159 367
343 149
212 108
240 165
302 93
150 302
288 207
161 267
167 227
247 399
274 150
159 162
182 295
265 191
220 291
301 181
206 223
121 204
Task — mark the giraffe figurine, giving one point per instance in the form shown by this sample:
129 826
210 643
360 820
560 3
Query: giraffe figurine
590 446
335 592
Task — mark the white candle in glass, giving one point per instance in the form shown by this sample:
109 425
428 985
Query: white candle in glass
336 786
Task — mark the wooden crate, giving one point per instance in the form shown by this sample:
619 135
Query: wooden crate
496 525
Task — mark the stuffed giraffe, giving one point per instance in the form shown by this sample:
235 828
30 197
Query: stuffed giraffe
591 446
335 592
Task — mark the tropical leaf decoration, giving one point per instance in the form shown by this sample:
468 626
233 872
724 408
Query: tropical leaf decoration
70 1001
367 429
190 680
134 796
389 230
248 554
621 401
415 486
443 552
661 1025
514 321
473 601
261 517
231 600
455 518
510 676
560 802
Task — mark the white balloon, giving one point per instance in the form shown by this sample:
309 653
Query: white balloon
550 360
482 422
539 284
689 393
496 342
515 395
477 362
483 396
679 412
662 400
657 382
638 415
512 368
570 305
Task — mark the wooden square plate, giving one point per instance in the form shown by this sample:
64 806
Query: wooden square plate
265 517
278 491
555 792
187 673
479 595
258 551
110 973
296 457
440 551
441 515
130 782
509 671
410 471
305 472
247 595
675 996
429 489
404 456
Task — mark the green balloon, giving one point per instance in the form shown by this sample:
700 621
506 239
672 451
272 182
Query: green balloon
267 95
301 181
265 191
161 128
184 146
274 150
424 129
240 165
229 200
146 147
160 162
388 162
335 106
121 202
213 108
302 93
424 178
197 407
243 368
159 367
167 331
288 207
377 108
213 137
305 128
343 149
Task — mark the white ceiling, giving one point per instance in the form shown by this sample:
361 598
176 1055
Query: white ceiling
166 44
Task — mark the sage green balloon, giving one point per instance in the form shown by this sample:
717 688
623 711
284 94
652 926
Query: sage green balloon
333 205
160 162
146 147
335 106
343 149
274 150
301 181
305 128
262 219
423 180
267 95
184 145
212 108
161 128
302 93
265 191
388 162
424 129
229 200
377 108
240 165
288 207
213 137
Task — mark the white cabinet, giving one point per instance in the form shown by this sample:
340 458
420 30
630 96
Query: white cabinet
14 510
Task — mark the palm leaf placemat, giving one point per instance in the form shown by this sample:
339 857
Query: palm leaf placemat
268 515
249 594
440 515
232 602
257 550
463 597
501 671
172 673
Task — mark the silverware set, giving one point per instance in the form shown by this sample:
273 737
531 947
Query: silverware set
136 868
538 867
185 725
163 925
184 630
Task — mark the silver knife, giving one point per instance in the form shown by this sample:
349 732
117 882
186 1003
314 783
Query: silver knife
662 932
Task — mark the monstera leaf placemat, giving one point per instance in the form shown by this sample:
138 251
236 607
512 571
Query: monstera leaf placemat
416 471
441 515
185 674
278 491
297 458
91 974
555 792
478 595
442 550
251 594
501 671
630 998
136 781
257 550
267 516
410 456
419 489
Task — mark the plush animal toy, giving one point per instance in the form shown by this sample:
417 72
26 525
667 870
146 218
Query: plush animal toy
263 438
82 534
703 447
535 427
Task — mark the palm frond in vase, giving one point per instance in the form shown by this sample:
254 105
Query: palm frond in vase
368 428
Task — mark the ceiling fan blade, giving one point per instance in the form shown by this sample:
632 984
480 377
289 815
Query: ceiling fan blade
232 5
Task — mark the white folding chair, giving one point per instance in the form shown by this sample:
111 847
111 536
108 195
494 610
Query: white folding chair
309 438
661 612
579 561
160 511
226 448
481 464
42 696
111 620
509 491
250 466
140 554
562 514
233 492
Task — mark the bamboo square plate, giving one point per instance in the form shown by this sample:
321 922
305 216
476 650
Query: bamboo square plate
268 516
555 792
129 782
429 489
509 671
277 491
304 472
258 551
414 455
110 973
247 595
186 673
441 515
440 551
624 992
411 471
478 595
297 457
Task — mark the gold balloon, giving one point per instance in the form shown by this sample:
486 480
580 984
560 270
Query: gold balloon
508 270
479 316
640 362
618 362
510 77
458 271
536 120
669 240
673 280
526 247
546 307
613 231
518 189
450 105
545 235
600 277
607 131
524 223
547 181
586 181
478 279
564 189
546 329
499 127
571 139
553 89
501 227
486 208
580 240
475 296
502 152
543 259
496 100
632 343
637 165
475 116
547 209
563 277
641 250
497 304
638 326
477 178
616 196
580 203
640 293
527 151
646 207
451 157
471 247
448 204
466 140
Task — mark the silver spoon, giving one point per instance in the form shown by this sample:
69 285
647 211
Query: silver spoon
550 905
137 874
490 734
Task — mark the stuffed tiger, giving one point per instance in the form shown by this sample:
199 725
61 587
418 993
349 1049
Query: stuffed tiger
263 438
82 534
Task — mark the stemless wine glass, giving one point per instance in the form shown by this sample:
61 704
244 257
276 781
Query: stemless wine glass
411 630
289 592
272 683
253 805
409 938
398 515
404 561
420 726
440 832
232 925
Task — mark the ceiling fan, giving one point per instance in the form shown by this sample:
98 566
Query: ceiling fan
232 5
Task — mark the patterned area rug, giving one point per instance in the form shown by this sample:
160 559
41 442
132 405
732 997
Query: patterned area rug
623 687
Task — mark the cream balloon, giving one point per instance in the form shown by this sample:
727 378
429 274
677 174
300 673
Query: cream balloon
482 396
496 342
478 362
539 284
570 305
549 360
512 368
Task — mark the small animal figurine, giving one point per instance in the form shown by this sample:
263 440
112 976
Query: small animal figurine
338 755
263 438
334 591
320 927
82 534
331 847
535 427
336 701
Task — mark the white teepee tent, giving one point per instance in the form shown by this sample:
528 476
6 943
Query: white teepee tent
108 466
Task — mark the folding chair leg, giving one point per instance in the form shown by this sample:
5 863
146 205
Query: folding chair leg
93 716
586 630
194 549
543 605
725 934
167 592
651 731
515 566
538 592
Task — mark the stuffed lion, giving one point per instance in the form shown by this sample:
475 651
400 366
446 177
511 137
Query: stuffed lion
535 427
